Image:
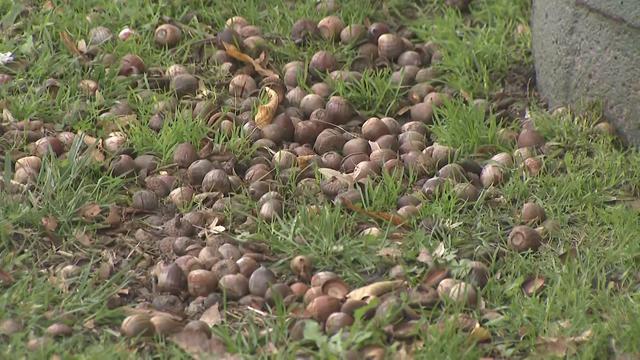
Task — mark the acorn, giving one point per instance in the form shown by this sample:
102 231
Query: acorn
492 175
294 96
330 27
336 322
405 76
165 325
390 46
377 29
503 159
338 110
530 138
216 180
478 274
303 31
99 35
374 128
445 286
466 192
122 165
322 307
296 332
175 70
418 92
131 64
181 196
523 238
229 251
422 112
188 263
350 162
331 160
277 291
59 330
441 154
145 200
356 146
234 286
311 294
184 155
462 5
257 172
48 145
301 266
146 162
197 171
389 311
184 85
533 166
299 289
351 305
271 210
229 36
322 89
336 288
532 213
167 35
464 294
454 172
329 140
242 85
137 325
201 282
311 103
352 34
246 266
236 23
382 155
115 142
249 31
198 326
260 281
321 277
9 327
323 62
410 57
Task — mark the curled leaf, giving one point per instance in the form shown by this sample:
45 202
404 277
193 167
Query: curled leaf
267 111
235 53
374 290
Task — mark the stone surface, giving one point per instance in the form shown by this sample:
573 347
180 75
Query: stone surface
588 50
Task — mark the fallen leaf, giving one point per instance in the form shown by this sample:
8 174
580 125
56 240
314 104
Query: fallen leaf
374 290
90 211
212 316
50 223
267 111
128 310
390 253
392 218
198 345
480 334
562 346
83 238
533 285
69 43
6 278
239 55
115 216
329 173
304 160
425 256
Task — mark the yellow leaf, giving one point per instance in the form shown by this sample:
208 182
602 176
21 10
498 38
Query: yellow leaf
239 55
374 290
267 111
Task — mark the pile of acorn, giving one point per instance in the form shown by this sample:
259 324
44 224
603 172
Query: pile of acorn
310 130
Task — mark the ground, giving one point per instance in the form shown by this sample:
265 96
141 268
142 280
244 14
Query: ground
576 296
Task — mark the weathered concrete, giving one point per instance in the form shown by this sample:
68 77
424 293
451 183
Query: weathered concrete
590 49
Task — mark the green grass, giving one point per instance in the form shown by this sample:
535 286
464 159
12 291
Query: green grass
589 185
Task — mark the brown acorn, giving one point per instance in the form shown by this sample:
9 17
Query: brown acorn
336 288
323 62
321 89
260 281
131 65
201 282
377 29
410 58
99 35
352 34
422 112
492 175
322 307
523 238
294 96
216 180
122 165
311 103
464 294
137 325
299 289
331 160
166 325
530 138
48 145
466 192
236 23
330 27
242 85
145 200
303 31
503 159
277 291
390 46
184 85
234 286
302 267
246 266
181 196
478 274
533 166
59 330
338 110
184 155
321 277
167 35
312 293
336 322
198 170
532 213
329 140
453 172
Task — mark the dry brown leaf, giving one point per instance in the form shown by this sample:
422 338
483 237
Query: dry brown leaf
83 238
379 215
239 55
115 216
374 290
533 285
561 346
128 310
50 223
198 345
304 160
212 316
390 253
69 43
329 173
267 111
425 256
480 334
6 278
90 211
